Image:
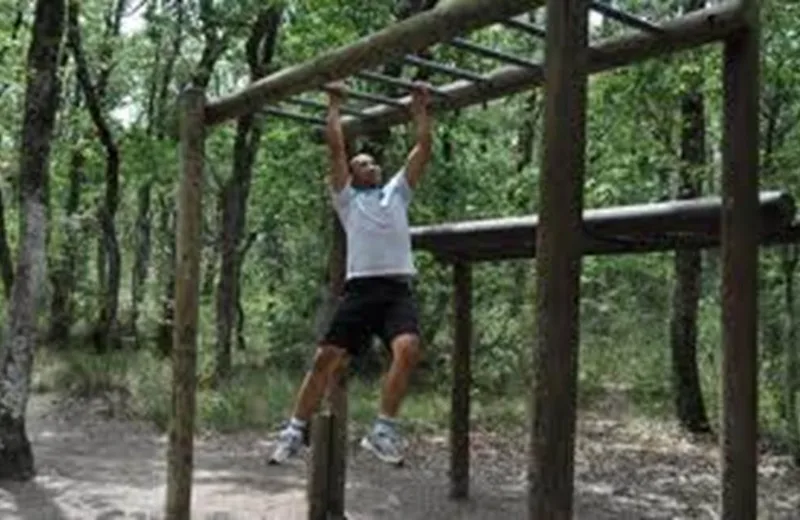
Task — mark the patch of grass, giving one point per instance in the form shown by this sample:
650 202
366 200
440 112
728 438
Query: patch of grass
260 398
255 397
79 374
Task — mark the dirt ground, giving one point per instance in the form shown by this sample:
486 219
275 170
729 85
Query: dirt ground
93 467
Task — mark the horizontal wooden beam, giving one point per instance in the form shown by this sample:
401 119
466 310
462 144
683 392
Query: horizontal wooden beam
664 226
409 36
596 247
688 31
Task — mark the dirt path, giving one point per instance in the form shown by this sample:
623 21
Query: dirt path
91 467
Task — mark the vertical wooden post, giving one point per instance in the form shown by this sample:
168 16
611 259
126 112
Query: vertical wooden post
330 468
318 485
184 353
337 470
338 404
740 227
460 405
558 263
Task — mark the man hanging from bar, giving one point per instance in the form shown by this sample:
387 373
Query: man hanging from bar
377 298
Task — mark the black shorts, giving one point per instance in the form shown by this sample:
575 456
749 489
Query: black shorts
375 306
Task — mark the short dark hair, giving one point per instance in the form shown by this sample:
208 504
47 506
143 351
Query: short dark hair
370 147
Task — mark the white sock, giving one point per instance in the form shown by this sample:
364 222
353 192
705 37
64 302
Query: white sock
297 424
384 423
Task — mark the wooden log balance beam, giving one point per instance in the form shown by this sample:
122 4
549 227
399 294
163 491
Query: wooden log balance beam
642 228
694 223
691 30
414 34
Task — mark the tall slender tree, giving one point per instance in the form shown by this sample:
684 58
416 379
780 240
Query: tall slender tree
17 348
688 394
260 48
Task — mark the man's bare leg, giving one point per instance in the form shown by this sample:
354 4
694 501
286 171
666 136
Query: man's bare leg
328 361
405 355
384 441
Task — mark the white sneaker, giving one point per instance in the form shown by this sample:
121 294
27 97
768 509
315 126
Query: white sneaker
290 444
385 444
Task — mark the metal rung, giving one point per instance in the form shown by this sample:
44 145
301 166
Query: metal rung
445 69
525 27
492 53
395 81
623 17
375 98
310 103
296 116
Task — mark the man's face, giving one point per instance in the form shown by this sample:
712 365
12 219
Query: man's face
365 170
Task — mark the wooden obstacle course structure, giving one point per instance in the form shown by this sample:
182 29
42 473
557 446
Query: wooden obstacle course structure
636 229
564 76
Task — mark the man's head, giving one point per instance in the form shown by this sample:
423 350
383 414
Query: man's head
365 172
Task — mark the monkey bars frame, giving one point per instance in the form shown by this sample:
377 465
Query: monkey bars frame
569 60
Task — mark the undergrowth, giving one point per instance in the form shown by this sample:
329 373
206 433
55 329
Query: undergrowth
623 378
255 397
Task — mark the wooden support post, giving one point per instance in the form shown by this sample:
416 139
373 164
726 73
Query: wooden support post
337 467
459 408
558 266
318 483
187 274
740 228
337 397
329 451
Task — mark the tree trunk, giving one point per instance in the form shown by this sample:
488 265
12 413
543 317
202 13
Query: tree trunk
213 46
63 279
527 131
6 265
792 354
167 231
689 404
142 249
156 127
260 50
525 150
6 262
18 342
106 334
683 341
109 259
688 270
241 343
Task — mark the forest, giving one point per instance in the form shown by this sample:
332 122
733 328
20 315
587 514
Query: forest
90 156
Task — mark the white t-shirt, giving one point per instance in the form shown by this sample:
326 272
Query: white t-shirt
376 223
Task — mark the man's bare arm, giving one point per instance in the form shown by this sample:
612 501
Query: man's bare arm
334 135
420 155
